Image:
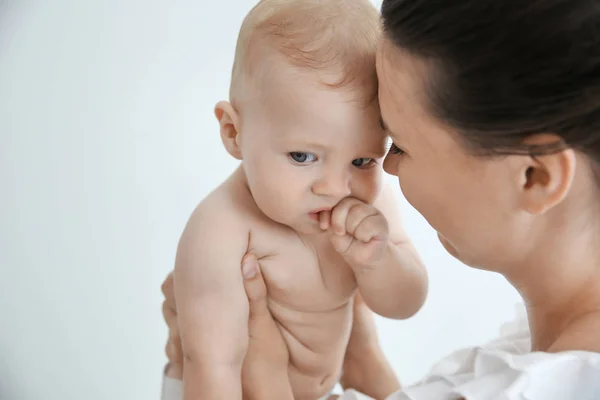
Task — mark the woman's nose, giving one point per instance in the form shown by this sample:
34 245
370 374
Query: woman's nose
390 165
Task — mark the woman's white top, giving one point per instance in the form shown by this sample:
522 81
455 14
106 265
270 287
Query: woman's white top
505 369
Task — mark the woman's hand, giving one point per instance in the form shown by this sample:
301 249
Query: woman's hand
264 373
265 369
365 368
173 348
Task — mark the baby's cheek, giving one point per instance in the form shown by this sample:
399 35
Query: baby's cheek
369 186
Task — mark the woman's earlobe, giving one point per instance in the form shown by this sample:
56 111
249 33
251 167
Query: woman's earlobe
228 125
547 180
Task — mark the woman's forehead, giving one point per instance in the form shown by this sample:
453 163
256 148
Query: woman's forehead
404 102
405 76
401 90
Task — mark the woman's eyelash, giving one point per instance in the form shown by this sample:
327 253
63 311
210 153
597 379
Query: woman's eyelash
395 149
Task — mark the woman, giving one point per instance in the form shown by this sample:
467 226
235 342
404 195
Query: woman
494 110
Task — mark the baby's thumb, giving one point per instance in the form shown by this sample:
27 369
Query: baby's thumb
254 286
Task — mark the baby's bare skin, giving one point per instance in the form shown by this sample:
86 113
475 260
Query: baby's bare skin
310 290
311 152
310 287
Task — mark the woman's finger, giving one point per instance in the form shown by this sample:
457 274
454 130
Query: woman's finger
169 315
174 371
173 351
267 357
169 292
255 287
167 285
173 348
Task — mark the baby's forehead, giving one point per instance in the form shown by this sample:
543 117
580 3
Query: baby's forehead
299 91
319 111
326 128
336 37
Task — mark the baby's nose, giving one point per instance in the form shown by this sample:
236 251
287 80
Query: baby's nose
335 185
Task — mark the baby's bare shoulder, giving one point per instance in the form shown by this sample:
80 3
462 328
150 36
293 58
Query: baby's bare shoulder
229 216
226 207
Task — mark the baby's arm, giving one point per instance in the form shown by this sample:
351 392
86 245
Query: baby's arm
397 286
212 304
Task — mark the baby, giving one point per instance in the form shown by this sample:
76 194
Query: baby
307 199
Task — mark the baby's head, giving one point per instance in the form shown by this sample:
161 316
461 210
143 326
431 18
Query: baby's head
303 114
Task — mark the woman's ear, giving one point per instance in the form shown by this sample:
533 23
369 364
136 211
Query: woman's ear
546 179
228 122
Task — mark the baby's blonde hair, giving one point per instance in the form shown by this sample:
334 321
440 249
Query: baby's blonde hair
335 36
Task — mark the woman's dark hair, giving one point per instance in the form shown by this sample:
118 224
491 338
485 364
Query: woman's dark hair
506 69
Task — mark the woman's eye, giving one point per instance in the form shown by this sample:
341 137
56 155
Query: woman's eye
362 162
395 149
302 158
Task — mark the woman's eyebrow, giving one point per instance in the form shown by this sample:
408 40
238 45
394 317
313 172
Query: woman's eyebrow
385 126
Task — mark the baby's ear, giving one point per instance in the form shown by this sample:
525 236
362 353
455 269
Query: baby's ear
228 122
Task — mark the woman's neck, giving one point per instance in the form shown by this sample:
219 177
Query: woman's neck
569 325
560 284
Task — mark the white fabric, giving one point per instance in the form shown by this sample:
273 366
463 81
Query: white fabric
172 389
505 370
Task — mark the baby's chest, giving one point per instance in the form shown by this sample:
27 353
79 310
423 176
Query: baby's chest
303 277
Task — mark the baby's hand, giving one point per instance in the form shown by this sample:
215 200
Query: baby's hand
359 231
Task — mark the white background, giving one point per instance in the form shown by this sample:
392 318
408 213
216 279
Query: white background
107 142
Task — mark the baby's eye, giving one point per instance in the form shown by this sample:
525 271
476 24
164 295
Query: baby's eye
362 162
302 157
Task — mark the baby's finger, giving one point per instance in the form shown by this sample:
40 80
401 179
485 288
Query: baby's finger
372 228
324 219
357 214
339 215
255 287
341 243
